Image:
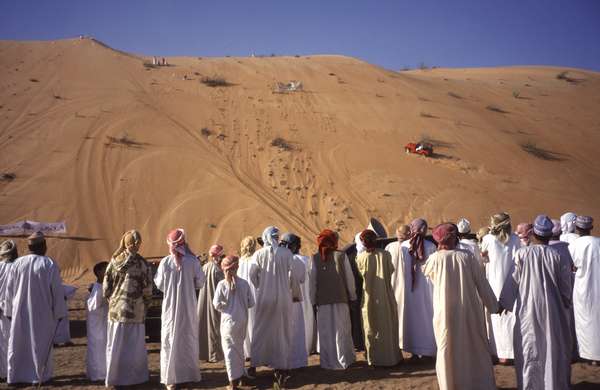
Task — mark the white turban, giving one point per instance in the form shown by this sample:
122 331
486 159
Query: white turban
464 226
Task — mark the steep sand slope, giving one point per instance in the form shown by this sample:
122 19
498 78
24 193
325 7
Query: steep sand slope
65 107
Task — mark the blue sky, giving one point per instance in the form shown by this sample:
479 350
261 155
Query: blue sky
393 34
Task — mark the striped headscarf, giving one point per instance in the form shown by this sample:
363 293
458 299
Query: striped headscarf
500 227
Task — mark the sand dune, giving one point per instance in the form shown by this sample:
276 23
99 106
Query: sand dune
99 140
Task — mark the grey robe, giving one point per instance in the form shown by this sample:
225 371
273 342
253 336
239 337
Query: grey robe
210 318
540 284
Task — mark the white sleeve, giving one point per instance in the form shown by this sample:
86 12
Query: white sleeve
96 300
159 278
221 296
254 272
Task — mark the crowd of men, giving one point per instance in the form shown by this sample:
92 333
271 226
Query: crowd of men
467 300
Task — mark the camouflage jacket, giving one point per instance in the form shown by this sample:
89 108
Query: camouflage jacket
128 288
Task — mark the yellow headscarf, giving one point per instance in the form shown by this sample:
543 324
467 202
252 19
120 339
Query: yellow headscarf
130 239
247 246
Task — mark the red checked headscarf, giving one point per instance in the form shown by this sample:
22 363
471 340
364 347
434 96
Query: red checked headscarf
177 245
369 238
327 241
446 236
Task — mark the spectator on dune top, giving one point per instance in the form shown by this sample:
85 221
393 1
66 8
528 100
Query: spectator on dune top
540 286
179 276
128 289
379 309
585 252
209 317
35 302
460 287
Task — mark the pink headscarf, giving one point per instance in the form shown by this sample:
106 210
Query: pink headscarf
446 236
177 245
216 252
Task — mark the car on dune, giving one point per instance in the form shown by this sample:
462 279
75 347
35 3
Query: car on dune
420 148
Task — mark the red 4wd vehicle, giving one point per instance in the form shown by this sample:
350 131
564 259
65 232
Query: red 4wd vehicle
422 148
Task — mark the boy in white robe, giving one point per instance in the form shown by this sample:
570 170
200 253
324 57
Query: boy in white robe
233 298
8 254
179 275
96 326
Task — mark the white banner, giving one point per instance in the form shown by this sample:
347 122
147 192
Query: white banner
28 227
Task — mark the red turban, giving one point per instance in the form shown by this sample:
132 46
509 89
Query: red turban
327 241
177 246
368 238
446 235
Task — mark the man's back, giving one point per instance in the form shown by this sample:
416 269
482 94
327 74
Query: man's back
35 301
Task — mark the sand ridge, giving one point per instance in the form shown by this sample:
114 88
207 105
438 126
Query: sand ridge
99 140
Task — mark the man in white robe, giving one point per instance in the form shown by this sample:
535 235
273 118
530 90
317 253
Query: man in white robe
96 327
272 331
417 322
400 256
331 289
233 298
499 247
300 349
463 359
8 255
35 303
179 276
540 286
585 252
567 226
468 240
247 249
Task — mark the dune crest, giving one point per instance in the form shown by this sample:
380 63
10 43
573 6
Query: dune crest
106 142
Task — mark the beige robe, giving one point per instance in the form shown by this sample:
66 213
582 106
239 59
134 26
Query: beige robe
459 287
210 318
379 311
